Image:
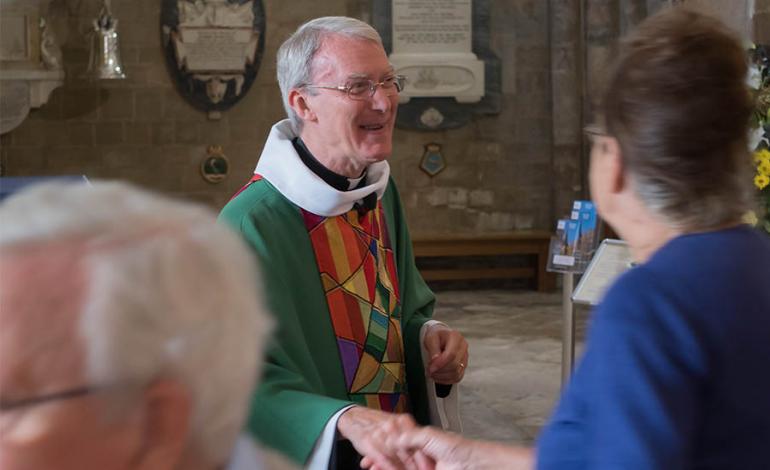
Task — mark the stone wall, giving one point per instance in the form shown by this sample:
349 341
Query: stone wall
761 22
519 169
499 169
140 129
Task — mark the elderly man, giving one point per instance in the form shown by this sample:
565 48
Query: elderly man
326 221
130 333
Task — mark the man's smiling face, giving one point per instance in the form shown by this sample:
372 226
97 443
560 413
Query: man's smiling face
350 133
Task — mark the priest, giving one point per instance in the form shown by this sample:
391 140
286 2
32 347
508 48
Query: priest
324 217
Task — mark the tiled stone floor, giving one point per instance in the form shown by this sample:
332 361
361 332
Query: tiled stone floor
513 377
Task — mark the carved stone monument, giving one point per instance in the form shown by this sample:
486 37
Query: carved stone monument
213 49
432 46
442 46
30 60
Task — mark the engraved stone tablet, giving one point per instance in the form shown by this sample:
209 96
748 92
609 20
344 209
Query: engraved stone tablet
424 26
213 49
432 42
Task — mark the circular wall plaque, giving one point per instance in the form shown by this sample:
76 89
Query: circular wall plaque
213 48
215 166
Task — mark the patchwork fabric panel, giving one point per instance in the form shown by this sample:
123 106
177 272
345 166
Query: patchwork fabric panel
358 273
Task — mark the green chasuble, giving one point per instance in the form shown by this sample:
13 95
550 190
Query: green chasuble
304 383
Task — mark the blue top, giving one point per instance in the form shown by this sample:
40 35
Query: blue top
12 184
676 372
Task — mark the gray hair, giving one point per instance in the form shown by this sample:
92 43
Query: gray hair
678 104
171 294
296 54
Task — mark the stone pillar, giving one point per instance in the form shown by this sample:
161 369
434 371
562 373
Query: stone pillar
567 87
761 22
736 14
635 11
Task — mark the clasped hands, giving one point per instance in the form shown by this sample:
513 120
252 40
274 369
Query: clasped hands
373 433
405 446
397 443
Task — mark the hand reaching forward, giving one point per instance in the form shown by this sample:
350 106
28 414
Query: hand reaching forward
367 430
449 451
448 352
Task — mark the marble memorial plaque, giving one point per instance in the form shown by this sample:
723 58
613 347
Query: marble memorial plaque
206 49
431 26
432 42
213 49
442 46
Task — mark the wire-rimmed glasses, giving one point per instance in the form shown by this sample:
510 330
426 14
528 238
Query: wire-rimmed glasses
8 405
594 131
363 89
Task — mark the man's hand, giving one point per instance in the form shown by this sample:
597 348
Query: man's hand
448 451
448 354
367 430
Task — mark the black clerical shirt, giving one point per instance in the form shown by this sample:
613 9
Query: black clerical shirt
335 180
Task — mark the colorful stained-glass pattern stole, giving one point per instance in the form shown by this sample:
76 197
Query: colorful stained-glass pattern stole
359 278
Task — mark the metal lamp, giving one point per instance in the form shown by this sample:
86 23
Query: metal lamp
104 59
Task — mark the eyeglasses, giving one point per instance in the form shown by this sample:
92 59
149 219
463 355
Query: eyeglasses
363 89
593 131
8 405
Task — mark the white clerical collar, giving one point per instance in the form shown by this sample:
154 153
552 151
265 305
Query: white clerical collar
282 167
353 182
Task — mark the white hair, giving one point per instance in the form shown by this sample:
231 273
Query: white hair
171 294
296 55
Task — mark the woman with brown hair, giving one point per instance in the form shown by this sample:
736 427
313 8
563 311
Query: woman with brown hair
675 372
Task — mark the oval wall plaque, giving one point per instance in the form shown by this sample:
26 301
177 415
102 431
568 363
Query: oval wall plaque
213 48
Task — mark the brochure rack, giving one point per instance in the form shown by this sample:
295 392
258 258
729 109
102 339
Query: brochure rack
571 250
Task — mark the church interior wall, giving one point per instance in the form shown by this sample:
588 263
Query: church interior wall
515 170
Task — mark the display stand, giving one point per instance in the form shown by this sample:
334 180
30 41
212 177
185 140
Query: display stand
568 329
612 259
571 250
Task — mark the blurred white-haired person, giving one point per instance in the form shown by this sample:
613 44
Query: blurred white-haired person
131 333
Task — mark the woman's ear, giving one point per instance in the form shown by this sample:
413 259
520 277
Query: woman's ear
301 106
613 159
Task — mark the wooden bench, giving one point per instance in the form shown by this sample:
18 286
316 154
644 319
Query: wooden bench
535 243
